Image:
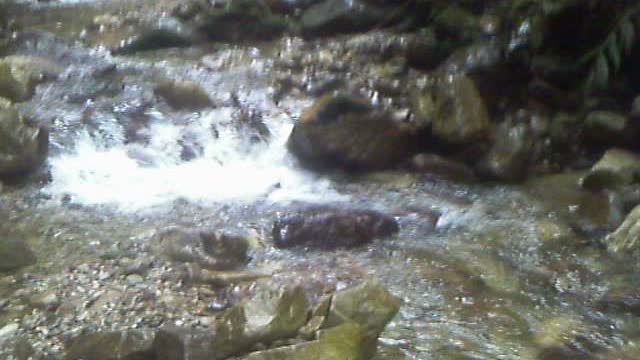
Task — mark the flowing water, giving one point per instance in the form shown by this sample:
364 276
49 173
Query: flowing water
499 275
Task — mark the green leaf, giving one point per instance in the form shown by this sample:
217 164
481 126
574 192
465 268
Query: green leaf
627 34
601 71
613 50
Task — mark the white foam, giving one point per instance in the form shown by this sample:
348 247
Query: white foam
231 168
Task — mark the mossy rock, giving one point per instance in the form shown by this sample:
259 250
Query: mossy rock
616 168
116 345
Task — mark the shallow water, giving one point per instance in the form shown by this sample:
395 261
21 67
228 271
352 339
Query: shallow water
490 279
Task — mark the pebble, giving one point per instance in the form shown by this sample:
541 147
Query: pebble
134 279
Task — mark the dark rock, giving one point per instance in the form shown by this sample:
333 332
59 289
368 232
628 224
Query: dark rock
15 254
327 228
332 17
457 23
242 20
606 127
153 40
175 343
508 158
344 132
424 51
23 146
439 166
183 95
210 249
116 345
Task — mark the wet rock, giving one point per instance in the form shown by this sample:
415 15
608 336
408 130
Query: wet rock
154 39
424 51
328 228
19 76
178 343
15 254
616 168
340 131
606 127
457 23
47 300
627 237
455 110
332 17
23 146
369 305
345 341
622 296
508 157
440 166
210 249
116 345
242 20
8 330
183 95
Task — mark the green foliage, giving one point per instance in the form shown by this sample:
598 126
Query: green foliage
604 60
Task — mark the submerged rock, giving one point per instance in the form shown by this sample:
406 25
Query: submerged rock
116 345
340 131
183 95
627 237
153 40
616 168
210 249
15 254
23 146
328 228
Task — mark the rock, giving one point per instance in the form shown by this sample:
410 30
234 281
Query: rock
627 237
134 279
616 168
154 39
458 23
19 76
368 305
242 20
183 95
345 341
210 249
115 345
424 51
508 158
47 300
622 295
454 108
328 228
176 343
606 127
340 131
8 330
332 17
23 146
440 166
14 254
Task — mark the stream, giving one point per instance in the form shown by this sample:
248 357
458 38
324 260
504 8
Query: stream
484 271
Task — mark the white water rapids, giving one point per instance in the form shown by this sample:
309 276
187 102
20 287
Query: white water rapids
230 168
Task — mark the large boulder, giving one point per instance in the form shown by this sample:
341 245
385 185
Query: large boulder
508 157
341 131
23 146
332 17
19 76
344 341
207 248
627 237
455 110
616 168
328 228
114 345
14 254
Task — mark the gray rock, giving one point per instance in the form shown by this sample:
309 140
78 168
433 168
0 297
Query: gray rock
209 249
23 146
15 254
116 345
328 228
174 343
340 131
341 16
508 157
19 76
154 39
616 168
